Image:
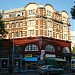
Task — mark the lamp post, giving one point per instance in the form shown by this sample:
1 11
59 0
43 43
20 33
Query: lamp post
11 64
13 47
12 67
13 51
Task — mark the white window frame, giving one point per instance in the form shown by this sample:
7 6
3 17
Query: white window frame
16 24
31 12
65 50
50 48
57 26
66 36
20 33
13 25
21 24
12 34
49 24
31 22
17 34
49 13
31 47
49 33
31 32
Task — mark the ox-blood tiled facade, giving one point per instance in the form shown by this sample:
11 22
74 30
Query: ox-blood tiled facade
31 47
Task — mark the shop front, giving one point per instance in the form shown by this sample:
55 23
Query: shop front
30 63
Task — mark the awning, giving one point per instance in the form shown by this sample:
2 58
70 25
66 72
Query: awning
55 59
59 59
30 58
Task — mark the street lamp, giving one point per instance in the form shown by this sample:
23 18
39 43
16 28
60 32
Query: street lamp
13 52
13 47
11 64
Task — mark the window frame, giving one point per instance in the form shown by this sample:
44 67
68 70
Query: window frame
49 48
31 47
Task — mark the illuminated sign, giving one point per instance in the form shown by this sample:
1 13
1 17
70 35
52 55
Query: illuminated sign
29 55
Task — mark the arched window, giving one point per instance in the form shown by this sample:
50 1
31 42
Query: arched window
65 50
31 47
17 48
50 48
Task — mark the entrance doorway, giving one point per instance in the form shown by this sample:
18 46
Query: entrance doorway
17 63
4 63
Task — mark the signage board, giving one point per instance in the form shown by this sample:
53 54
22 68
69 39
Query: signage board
29 55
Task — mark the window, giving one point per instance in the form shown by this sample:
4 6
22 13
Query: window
49 13
64 18
17 48
50 48
16 24
49 24
58 47
57 26
65 36
20 33
65 50
4 63
7 26
12 34
65 28
13 25
31 32
57 35
20 24
17 62
31 12
49 33
17 34
31 23
31 47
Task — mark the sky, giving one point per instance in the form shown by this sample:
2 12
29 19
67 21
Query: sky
58 5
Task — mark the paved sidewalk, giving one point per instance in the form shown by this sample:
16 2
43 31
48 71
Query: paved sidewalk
28 72
18 73
22 73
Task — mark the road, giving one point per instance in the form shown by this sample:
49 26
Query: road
31 73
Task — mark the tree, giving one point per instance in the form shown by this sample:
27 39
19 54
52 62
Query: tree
2 28
73 51
73 12
3 32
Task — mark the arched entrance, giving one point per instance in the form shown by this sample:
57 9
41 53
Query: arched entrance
4 63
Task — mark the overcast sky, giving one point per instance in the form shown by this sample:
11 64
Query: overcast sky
58 5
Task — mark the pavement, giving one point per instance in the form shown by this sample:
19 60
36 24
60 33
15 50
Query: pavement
20 73
27 72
